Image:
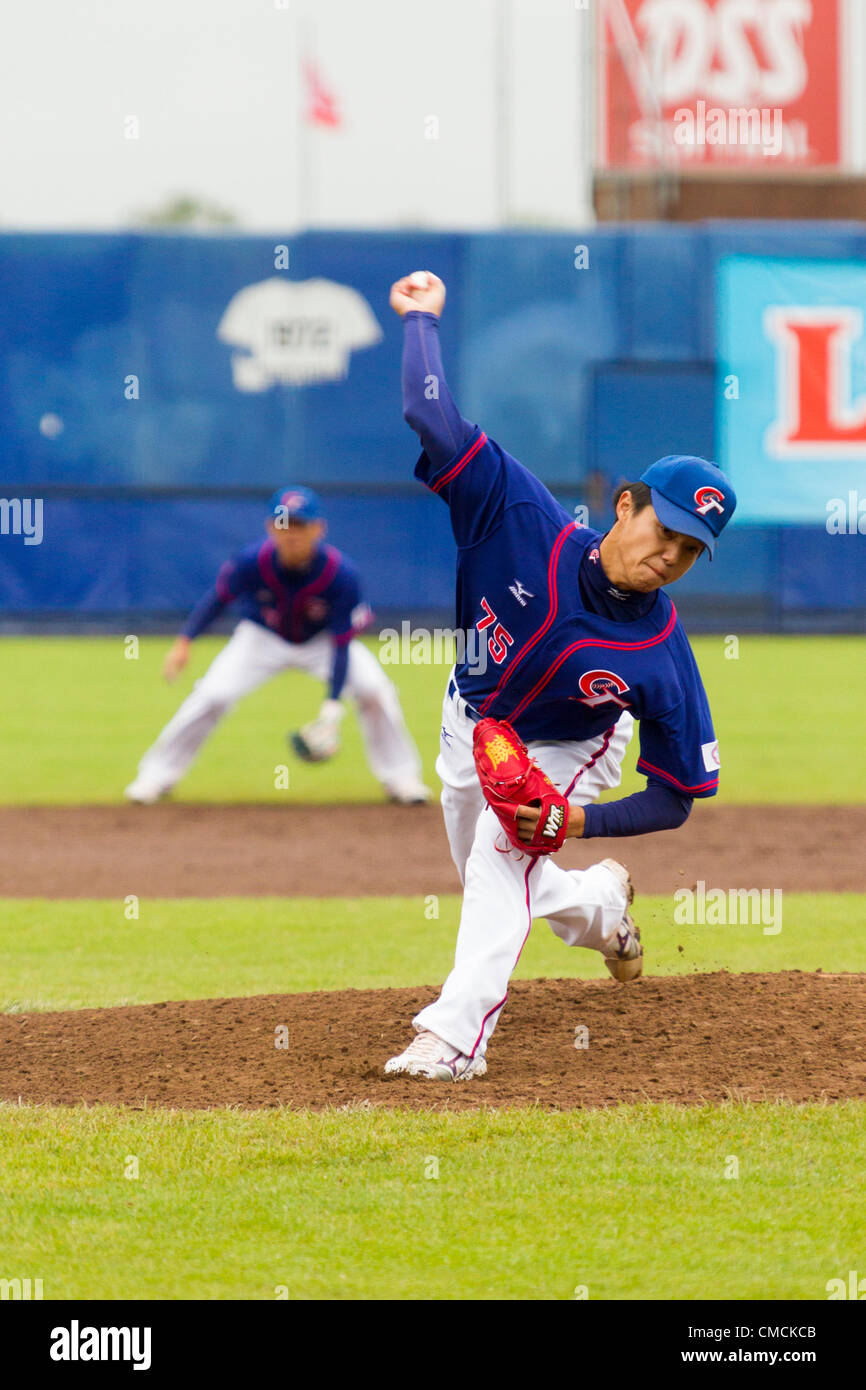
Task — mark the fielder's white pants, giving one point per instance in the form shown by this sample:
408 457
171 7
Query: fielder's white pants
504 889
252 656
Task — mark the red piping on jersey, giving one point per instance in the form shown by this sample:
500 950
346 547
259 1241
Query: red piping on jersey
268 572
269 575
701 787
599 753
460 464
315 586
551 614
530 866
591 642
342 638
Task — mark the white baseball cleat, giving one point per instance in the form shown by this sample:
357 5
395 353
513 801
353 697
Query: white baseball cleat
430 1057
144 793
623 955
409 793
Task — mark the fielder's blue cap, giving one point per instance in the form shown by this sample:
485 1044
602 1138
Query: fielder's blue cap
294 504
692 496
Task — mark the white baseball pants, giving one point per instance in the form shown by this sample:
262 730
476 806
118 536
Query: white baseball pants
505 889
252 656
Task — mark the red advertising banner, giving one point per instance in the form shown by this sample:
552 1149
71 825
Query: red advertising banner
719 82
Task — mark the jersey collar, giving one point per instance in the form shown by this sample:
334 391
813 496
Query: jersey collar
622 605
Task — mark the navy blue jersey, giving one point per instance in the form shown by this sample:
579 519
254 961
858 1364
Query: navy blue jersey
296 604
549 664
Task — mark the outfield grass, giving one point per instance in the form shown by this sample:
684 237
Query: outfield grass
76 954
632 1203
78 715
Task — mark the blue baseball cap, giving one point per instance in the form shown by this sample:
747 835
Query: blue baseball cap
692 496
294 504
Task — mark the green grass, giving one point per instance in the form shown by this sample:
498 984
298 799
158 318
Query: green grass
772 748
89 714
77 954
632 1203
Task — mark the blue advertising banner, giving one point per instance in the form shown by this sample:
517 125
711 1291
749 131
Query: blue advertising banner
205 361
156 387
791 402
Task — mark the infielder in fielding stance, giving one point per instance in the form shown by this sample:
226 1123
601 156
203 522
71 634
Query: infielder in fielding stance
301 607
581 640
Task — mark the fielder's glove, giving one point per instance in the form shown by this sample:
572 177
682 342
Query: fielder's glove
320 740
510 779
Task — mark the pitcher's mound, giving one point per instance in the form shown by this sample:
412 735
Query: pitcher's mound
687 1038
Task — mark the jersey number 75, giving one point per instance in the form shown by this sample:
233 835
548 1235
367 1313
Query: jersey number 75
500 639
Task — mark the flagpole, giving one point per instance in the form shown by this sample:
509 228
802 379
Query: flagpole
502 31
646 84
306 210
588 61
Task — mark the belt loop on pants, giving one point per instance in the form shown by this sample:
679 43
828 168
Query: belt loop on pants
463 705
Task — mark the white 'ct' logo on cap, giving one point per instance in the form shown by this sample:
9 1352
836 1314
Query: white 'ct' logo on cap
709 499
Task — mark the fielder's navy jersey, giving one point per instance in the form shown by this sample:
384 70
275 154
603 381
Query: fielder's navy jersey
551 666
296 604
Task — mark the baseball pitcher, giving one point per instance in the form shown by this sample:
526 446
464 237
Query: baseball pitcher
581 641
301 607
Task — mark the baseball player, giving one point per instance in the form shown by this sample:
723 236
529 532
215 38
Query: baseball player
581 641
301 607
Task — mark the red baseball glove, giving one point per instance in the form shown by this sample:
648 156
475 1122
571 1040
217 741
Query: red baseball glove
510 779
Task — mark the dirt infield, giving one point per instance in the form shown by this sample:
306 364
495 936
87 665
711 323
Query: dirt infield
187 850
684 1039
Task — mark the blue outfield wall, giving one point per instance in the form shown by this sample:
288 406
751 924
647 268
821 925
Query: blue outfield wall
155 389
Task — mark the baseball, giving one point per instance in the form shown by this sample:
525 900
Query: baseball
419 280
